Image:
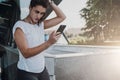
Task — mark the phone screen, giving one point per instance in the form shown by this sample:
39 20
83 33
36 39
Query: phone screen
61 28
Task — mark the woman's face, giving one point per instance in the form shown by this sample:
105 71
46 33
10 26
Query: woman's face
36 13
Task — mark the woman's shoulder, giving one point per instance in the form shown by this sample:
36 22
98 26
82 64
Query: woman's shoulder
20 21
19 24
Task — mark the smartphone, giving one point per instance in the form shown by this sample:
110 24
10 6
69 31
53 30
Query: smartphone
61 28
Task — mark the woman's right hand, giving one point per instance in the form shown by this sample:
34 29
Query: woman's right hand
54 36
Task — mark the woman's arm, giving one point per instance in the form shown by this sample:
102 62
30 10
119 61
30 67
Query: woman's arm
60 16
29 52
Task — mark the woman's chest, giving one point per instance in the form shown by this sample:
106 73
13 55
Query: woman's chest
35 35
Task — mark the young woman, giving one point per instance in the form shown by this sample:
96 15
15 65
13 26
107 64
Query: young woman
29 37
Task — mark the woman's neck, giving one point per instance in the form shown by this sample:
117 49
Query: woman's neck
28 20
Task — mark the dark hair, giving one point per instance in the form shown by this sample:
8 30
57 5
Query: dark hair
44 3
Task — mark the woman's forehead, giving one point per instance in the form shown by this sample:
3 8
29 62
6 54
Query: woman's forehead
39 8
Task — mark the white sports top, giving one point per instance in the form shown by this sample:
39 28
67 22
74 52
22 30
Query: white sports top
35 36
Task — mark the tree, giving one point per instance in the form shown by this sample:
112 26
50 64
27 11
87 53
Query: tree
102 19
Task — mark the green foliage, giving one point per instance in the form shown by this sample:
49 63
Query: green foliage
102 19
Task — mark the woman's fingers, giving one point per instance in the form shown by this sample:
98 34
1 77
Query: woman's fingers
54 36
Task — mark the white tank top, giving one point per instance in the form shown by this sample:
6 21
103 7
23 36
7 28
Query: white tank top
35 36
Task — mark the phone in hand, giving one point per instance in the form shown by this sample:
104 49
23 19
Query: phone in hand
61 28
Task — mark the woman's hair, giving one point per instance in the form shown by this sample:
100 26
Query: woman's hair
43 3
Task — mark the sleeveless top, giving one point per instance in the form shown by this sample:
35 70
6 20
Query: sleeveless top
34 34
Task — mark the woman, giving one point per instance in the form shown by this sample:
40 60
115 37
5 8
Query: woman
29 37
